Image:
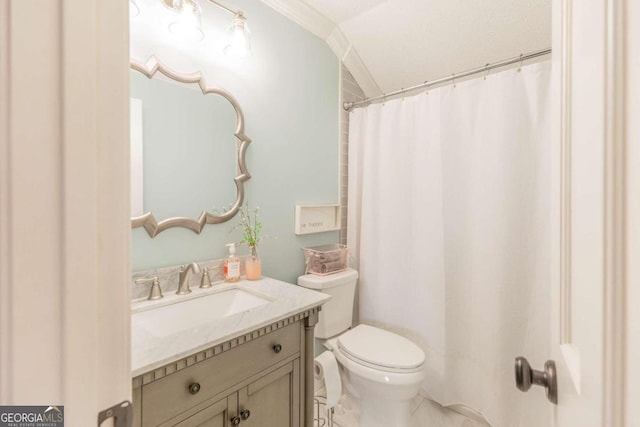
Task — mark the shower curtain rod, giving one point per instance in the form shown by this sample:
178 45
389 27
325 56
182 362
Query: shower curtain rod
353 104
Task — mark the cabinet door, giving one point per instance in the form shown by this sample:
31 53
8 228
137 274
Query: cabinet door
215 415
169 396
273 400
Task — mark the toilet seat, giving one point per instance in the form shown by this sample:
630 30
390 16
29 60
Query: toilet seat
381 350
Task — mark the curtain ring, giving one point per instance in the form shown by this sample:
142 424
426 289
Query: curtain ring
454 79
488 69
520 66
425 85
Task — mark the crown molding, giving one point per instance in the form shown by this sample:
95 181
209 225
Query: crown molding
303 15
313 21
347 53
338 42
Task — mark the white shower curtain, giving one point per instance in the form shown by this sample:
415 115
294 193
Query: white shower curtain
449 227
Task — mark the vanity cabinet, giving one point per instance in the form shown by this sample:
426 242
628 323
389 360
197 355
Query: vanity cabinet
259 379
273 399
216 415
268 401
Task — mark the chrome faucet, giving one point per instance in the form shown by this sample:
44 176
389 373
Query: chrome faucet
183 281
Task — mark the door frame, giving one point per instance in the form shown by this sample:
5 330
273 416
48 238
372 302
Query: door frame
608 19
632 208
64 205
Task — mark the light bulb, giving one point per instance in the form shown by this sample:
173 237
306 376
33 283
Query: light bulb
239 38
186 25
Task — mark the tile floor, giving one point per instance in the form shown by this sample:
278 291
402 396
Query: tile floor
425 413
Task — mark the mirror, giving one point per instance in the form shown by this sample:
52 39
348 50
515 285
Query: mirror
193 151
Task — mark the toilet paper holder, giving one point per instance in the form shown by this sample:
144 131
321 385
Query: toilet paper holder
318 421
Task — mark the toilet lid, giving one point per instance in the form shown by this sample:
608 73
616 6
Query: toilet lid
381 348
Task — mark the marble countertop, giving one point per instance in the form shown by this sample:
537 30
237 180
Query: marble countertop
151 350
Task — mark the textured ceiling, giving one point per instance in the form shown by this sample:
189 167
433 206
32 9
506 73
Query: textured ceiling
405 42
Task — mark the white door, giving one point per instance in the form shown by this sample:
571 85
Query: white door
632 270
587 301
64 209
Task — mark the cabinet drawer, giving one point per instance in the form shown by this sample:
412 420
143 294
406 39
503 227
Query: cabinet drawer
170 396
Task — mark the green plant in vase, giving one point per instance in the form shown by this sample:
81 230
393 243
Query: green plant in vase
251 229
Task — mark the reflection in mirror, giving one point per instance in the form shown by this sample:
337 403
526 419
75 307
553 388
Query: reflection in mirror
136 160
193 144
189 148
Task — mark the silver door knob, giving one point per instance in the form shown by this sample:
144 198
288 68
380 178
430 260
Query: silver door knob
526 377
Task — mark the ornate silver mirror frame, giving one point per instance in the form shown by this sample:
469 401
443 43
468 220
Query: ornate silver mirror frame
147 220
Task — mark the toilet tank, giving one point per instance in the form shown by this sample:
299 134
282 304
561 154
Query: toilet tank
336 315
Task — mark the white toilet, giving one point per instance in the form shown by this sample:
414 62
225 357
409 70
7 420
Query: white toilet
381 370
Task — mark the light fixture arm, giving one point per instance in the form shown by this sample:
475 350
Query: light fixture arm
186 25
223 7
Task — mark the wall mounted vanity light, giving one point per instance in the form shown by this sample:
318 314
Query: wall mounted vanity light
186 23
239 37
187 26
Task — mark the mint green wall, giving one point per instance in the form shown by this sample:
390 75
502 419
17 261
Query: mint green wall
288 91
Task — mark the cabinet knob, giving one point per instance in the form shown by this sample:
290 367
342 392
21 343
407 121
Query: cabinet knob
235 421
194 388
277 348
245 414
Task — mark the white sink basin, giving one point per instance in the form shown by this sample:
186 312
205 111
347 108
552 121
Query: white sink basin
192 313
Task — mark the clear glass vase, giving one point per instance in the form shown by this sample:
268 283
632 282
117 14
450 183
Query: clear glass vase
253 266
